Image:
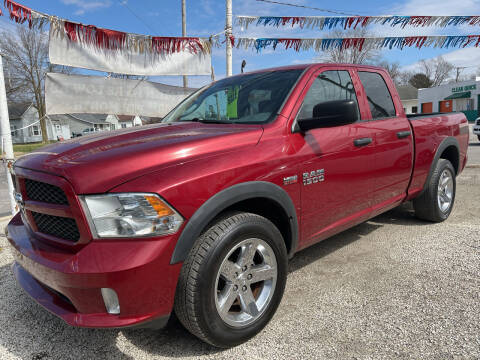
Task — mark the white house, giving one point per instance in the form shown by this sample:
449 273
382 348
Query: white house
409 96
79 123
126 121
25 127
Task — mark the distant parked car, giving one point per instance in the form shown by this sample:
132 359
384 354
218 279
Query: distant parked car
476 128
89 130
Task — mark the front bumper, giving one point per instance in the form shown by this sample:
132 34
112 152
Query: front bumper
68 284
476 129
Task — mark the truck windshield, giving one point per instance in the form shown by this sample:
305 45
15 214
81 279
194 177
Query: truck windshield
245 99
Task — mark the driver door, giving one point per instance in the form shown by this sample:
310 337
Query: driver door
335 162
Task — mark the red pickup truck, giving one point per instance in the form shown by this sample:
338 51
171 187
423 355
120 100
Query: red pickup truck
199 214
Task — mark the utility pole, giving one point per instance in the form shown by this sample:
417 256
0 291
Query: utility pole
228 34
184 33
6 137
459 68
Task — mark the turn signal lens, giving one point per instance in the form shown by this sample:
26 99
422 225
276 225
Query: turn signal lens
159 206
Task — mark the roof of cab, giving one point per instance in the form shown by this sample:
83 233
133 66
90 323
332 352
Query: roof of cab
313 65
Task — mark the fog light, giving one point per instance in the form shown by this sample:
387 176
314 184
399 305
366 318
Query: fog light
110 299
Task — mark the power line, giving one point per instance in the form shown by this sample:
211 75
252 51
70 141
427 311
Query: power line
125 3
338 12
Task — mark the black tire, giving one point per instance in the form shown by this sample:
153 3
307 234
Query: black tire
478 137
195 304
426 205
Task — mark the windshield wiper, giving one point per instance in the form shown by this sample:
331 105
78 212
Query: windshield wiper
211 121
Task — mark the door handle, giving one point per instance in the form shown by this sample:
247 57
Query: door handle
362 141
403 134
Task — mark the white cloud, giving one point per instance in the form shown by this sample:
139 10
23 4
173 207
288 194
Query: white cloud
469 58
84 6
436 7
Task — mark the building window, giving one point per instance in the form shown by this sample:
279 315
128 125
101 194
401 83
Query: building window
13 128
58 128
464 104
470 105
414 109
35 130
123 125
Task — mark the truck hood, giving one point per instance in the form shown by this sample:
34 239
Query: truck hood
99 162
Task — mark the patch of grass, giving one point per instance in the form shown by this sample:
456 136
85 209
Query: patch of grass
26 148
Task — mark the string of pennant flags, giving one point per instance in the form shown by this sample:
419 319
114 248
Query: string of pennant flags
322 44
109 39
118 41
349 22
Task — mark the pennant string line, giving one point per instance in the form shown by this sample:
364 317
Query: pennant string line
110 39
324 44
349 22
117 40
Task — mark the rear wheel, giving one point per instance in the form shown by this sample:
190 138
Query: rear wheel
436 202
233 280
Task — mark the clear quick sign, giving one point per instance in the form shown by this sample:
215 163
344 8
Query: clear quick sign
464 88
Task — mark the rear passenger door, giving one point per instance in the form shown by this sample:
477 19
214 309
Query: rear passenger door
393 141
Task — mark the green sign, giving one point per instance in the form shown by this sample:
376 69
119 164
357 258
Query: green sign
464 88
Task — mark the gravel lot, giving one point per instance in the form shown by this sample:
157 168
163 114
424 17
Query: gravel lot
393 287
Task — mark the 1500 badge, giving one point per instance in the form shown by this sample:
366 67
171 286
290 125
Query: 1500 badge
313 177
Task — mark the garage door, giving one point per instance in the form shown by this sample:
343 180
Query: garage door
427 108
446 106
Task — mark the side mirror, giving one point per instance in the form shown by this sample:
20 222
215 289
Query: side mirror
330 114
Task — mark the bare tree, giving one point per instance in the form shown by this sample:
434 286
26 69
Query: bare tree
393 69
26 54
437 70
352 55
405 77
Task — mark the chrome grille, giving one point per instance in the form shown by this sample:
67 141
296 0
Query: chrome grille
44 192
60 227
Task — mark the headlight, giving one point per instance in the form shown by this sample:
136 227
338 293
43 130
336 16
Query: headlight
130 215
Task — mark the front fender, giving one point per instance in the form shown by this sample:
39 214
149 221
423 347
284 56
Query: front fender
226 198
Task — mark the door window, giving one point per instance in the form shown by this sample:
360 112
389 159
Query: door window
379 98
328 86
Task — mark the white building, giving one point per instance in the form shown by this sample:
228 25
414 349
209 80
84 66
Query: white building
409 96
462 96
25 127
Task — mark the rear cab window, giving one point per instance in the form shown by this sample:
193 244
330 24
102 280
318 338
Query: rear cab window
379 97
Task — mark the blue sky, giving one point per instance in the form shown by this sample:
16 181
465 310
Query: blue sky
206 17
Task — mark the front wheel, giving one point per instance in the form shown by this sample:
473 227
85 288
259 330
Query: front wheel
233 280
436 202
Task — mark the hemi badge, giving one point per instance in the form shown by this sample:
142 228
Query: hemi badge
290 180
